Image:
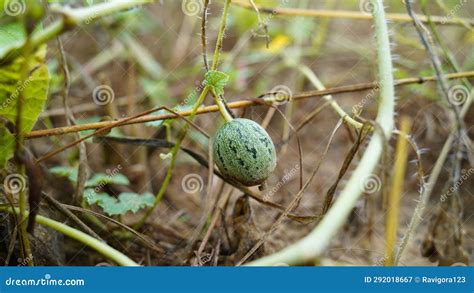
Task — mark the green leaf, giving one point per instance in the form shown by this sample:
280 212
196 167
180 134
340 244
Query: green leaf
217 80
34 88
126 202
12 36
7 145
68 172
100 179
156 90
129 201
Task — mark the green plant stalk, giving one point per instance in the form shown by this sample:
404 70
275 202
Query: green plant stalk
315 243
321 34
19 139
220 36
87 14
22 220
222 109
99 246
449 56
184 130
215 61
455 18
174 152
319 86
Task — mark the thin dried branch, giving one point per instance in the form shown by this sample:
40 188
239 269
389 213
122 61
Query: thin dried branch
236 105
356 15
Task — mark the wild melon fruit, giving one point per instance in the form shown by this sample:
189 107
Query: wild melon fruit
243 151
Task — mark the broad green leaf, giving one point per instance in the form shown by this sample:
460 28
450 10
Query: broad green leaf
129 201
67 172
34 89
7 145
12 35
217 81
126 202
104 179
156 90
99 179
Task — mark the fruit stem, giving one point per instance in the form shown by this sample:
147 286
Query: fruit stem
222 108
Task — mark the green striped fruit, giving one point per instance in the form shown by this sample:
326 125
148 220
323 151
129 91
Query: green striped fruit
244 151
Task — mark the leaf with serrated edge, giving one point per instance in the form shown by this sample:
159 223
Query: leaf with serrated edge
217 80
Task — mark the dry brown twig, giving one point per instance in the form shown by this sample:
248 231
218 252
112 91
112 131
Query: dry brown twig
233 105
356 15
